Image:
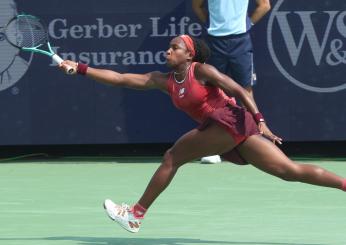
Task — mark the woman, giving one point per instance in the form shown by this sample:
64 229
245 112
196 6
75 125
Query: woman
239 135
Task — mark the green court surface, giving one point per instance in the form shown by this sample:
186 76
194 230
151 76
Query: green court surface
60 203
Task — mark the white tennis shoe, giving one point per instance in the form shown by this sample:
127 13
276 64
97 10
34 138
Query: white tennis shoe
123 215
211 159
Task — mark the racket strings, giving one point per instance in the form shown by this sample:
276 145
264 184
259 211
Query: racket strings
26 32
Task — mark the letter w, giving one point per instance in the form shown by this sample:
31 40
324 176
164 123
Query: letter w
308 31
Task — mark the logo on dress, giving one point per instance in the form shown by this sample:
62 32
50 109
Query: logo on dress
307 42
181 92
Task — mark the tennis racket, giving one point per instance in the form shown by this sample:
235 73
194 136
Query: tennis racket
28 33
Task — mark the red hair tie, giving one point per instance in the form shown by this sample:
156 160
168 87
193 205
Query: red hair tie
189 44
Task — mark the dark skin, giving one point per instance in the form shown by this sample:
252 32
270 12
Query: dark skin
179 59
256 149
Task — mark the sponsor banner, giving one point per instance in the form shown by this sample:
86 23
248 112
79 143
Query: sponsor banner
303 81
300 59
310 36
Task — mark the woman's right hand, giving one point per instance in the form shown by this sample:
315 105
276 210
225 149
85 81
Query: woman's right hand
66 66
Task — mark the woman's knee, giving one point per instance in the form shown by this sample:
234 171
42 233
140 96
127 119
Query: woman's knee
170 159
287 172
300 172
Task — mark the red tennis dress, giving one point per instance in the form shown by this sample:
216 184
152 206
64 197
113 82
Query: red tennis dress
206 104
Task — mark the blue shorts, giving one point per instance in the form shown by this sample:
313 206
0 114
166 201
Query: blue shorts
233 56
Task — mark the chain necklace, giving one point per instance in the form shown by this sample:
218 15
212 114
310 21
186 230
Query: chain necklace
178 73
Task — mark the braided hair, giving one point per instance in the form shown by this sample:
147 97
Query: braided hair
202 50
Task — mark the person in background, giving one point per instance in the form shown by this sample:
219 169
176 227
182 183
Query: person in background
228 25
205 94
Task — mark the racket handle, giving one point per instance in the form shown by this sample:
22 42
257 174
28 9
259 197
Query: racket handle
57 59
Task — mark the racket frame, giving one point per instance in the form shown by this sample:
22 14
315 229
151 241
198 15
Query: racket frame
50 52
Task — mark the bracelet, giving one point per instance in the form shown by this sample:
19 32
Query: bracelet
258 117
82 68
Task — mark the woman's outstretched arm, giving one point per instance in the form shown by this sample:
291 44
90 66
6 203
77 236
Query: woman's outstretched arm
151 80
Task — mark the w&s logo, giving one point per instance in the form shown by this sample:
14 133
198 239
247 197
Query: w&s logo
307 42
13 65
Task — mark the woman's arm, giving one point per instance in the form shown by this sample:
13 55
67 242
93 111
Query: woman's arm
151 80
210 74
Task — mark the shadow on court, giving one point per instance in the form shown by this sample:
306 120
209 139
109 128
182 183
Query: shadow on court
147 241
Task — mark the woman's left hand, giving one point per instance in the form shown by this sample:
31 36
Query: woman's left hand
265 131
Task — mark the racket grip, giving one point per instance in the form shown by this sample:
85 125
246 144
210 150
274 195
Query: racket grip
57 59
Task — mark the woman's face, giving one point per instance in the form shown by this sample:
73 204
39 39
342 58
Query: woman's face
177 53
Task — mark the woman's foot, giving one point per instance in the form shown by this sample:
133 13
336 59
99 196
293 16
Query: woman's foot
123 215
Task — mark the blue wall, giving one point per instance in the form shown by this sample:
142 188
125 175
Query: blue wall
300 58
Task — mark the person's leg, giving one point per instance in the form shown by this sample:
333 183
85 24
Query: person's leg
267 157
240 69
218 53
240 62
193 145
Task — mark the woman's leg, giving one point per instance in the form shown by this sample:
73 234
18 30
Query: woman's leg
193 145
267 157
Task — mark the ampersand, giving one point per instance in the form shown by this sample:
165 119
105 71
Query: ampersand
336 56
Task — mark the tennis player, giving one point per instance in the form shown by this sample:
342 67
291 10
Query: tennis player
239 135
